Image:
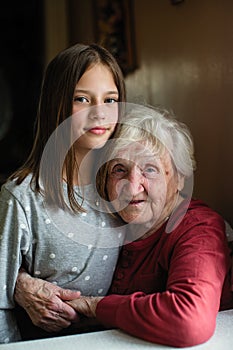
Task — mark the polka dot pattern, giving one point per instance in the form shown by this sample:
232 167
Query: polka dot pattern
62 256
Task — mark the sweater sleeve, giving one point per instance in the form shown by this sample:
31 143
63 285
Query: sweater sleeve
185 313
14 242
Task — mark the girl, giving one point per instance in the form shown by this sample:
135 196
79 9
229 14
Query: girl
50 223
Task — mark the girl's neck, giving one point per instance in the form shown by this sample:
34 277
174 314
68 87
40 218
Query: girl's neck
83 172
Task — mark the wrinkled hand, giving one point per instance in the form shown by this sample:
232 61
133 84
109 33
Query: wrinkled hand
85 305
45 302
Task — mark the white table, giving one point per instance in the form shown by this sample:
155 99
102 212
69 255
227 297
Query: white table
117 340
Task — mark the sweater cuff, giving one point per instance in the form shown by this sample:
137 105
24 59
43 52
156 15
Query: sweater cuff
106 311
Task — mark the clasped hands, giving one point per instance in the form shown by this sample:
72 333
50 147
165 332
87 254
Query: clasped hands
50 307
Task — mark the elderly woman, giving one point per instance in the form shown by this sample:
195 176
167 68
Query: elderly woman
172 277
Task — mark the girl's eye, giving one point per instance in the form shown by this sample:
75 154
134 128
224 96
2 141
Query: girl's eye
111 100
80 99
118 171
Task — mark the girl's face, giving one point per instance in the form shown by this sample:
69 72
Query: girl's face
95 108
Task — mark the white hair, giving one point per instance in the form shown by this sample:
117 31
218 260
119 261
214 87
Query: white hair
159 130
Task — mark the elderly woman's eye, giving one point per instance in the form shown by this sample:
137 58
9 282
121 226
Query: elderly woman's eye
150 172
119 171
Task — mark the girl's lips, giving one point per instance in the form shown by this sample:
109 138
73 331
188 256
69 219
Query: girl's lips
97 130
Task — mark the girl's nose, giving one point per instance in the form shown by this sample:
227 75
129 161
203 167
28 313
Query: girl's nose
98 112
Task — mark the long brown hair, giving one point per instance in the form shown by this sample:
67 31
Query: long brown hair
55 106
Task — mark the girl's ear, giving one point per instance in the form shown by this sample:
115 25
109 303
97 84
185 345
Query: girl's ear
180 182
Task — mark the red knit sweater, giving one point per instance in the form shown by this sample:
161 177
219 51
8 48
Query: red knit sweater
167 288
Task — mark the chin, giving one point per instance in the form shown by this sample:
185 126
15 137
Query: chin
133 219
100 145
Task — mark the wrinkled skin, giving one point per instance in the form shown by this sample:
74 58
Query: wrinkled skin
45 303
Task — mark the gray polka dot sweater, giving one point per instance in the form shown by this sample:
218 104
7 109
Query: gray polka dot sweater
78 251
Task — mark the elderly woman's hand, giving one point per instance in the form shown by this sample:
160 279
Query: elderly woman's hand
45 302
85 305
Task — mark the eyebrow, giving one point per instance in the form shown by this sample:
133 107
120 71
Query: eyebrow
147 156
111 92
145 160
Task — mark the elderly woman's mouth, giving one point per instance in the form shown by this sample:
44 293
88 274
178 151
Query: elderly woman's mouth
136 202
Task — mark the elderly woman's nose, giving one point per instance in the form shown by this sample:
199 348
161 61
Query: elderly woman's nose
135 181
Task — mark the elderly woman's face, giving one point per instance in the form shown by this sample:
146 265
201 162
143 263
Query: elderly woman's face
142 186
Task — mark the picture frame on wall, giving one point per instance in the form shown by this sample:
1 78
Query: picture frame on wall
115 30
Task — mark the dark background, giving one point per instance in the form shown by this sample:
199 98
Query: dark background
21 66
